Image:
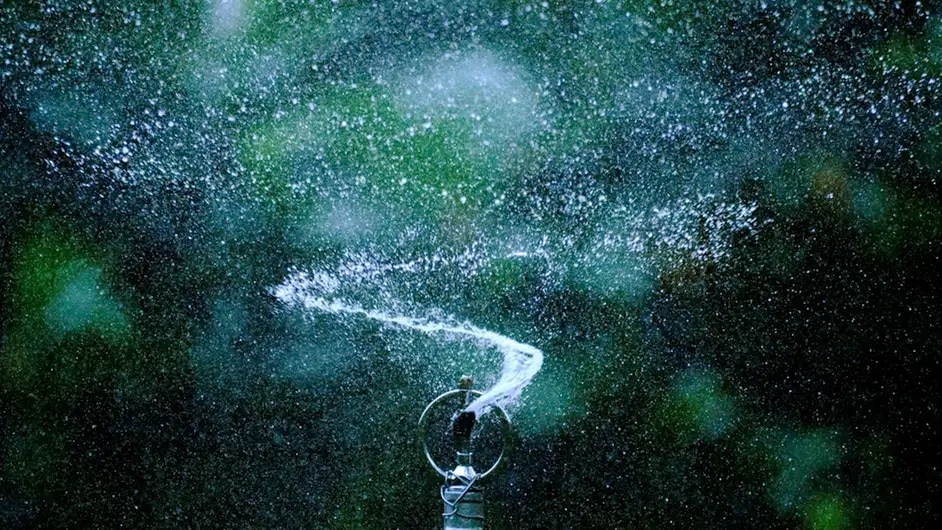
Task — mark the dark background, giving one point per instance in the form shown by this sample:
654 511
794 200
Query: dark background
164 165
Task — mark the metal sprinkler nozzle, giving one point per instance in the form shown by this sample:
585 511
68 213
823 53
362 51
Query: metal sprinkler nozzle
462 497
463 424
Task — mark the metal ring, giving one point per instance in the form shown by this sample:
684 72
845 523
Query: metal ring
423 430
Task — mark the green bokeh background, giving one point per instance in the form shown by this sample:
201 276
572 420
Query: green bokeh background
164 165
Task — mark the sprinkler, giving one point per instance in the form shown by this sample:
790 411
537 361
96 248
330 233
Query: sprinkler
462 497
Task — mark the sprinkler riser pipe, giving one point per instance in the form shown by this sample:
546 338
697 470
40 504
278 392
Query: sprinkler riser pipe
468 513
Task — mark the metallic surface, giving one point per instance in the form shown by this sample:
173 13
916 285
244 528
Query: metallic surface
423 429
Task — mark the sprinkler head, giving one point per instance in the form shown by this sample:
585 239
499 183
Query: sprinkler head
462 426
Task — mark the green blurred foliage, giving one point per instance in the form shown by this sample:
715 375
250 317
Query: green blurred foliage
60 302
828 513
566 173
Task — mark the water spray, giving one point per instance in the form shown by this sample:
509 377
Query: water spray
462 497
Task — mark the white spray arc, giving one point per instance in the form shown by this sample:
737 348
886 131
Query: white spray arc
521 362
699 229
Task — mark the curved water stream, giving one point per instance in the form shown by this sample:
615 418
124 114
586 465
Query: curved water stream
698 229
521 361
